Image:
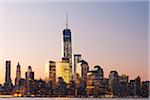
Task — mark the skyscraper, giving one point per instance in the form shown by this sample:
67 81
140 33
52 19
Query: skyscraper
8 72
52 71
84 69
114 83
29 75
98 74
18 74
67 46
77 59
124 85
8 82
18 71
63 70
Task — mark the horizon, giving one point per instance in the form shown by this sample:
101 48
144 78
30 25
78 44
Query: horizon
113 35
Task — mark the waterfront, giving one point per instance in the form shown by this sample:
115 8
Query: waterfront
74 98
30 67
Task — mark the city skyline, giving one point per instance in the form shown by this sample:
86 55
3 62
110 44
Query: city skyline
32 35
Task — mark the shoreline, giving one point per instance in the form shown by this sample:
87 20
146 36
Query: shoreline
11 96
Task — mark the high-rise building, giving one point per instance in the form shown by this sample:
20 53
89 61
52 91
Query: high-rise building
84 69
124 85
134 87
78 70
138 86
95 81
29 75
52 71
18 74
114 83
99 73
63 70
67 45
8 72
8 82
77 59
145 88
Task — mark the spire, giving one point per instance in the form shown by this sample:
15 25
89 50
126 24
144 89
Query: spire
18 64
67 20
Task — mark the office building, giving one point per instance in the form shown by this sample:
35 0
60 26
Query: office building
77 60
67 45
29 75
52 71
114 83
124 85
18 75
84 69
63 70
8 82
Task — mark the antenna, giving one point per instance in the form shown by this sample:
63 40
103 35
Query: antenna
67 20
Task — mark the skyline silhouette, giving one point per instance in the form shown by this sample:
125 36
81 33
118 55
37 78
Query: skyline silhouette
113 35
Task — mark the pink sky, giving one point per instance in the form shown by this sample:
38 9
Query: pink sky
113 35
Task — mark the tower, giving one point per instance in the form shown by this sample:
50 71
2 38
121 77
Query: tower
8 72
29 75
77 59
67 45
114 83
84 69
18 71
52 71
18 75
8 83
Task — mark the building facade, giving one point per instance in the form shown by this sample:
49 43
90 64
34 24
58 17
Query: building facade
63 70
8 82
77 60
124 85
52 71
114 83
67 45
84 69
29 75
18 75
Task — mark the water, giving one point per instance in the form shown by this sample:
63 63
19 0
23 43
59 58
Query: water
74 99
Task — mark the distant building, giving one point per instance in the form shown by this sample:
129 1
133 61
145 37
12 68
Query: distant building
131 88
124 85
1 89
18 75
96 84
63 70
78 70
8 82
114 83
98 73
52 72
61 88
8 72
77 60
67 45
29 75
138 86
84 69
134 87
145 88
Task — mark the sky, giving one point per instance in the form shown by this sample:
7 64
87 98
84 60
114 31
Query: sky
112 34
